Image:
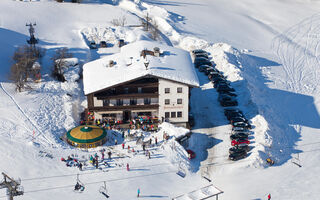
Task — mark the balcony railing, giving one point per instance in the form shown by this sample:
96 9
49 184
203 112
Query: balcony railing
124 107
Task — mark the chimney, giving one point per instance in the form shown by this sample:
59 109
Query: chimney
156 51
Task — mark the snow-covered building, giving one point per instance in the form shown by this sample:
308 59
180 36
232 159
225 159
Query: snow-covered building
145 78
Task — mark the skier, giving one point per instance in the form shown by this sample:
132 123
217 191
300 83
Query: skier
122 145
156 141
143 147
128 167
80 166
149 154
115 142
97 163
269 196
128 147
109 154
138 192
102 155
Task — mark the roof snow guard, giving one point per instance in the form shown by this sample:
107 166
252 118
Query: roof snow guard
200 194
173 64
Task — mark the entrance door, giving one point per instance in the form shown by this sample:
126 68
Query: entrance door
126 115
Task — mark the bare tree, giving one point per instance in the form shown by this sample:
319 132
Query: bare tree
154 31
23 58
121 21
60 62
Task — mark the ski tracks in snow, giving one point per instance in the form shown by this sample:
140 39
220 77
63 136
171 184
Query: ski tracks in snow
27 120
297 48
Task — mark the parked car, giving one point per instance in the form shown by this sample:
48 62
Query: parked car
238 155
203 68
236 128
227 111
237 149
228 103
239 136
204 55
201 61
191 154
223 83
215 77
238 119
241 124
224 97
197 51
229 93
239 142
191 120
233 114
222 88
92 45
245 131
210 69
103 44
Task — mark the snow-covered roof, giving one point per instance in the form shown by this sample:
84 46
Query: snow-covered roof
174 64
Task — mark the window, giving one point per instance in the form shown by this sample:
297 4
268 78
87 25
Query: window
173 114
166 90
113 90
126 90
147 101
166 114
133 101
167 101
179 101
139 90
179 114
119 102
179 90
106 102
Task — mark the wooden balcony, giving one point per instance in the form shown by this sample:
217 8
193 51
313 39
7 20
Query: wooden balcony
129 96
125 107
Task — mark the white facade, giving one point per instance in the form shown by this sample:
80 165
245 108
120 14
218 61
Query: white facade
178 107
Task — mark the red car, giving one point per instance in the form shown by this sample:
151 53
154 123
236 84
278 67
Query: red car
239 142
191 154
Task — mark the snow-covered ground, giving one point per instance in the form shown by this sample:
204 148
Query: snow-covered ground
267 49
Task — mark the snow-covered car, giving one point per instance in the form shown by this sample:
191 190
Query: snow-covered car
239 136
210 69
239 142
238 155
245 131
92 45
239 128
238 119
237 149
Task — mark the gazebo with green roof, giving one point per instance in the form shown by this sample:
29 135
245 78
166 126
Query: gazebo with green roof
86 136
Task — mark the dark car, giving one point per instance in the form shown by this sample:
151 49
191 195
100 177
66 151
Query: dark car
224 97
197 51
103 44
229 103
201 61
209 69
222 88
238 119
241 124
238 129
92 45
229 93
223 83
244 131
228 111
203 68
191 120
238 155
238 136
233 114
237 149
215 77
239 142
204 55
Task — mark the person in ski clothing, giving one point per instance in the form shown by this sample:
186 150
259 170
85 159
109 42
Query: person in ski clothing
149 154
80 166
109 154
102 155
156 140
143 147
122 145
128 147
138 192
128 167
115 142
97 163
269 196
